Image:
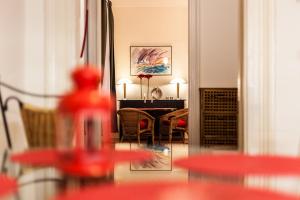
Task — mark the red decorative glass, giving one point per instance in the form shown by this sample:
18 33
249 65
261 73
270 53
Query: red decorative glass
84 115
83 135
84 121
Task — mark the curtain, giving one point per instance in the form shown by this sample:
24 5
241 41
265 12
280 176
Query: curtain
111 49
108 55
103 33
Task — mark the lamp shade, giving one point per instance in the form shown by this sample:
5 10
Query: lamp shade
177 80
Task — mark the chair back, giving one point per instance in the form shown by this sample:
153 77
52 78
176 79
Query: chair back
180 111
39 124
174 113
130 119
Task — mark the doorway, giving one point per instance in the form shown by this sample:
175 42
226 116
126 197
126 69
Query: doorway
151 56
216 62
215 57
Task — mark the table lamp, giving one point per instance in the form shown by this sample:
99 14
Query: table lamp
178 81
124 82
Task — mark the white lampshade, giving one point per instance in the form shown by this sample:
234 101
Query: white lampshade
124 80
177 80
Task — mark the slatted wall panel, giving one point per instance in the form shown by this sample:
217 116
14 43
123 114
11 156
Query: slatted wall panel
219 117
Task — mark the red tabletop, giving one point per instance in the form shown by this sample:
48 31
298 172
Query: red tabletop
38 158
173 191
80 163
240 164
7 185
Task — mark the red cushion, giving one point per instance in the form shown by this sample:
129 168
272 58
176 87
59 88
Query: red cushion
181 123
144 124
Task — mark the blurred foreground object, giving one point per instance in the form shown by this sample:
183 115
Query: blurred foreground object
98 164
172 191
84 114
84 146
84 124
236 164
7 185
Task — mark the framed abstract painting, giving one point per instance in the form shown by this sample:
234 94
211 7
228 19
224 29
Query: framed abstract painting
153 60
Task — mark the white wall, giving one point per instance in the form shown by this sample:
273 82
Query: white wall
287 72
63 36
220 35
12 41
12 52
39 44
151 26
272 76
271 82
34 49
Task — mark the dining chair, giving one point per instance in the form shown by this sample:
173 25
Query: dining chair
176 121
39 124
135 122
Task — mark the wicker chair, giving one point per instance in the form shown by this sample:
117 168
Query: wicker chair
39 124
176 121
136 122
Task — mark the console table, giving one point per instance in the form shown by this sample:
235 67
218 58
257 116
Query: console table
178 104
156 108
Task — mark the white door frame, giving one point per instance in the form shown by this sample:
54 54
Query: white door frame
194 77
257 76
194 74
258 80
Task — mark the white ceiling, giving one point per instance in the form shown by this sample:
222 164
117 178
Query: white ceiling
149 3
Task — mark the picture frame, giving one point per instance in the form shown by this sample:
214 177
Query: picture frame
151 60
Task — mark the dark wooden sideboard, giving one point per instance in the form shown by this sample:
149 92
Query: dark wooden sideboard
178 104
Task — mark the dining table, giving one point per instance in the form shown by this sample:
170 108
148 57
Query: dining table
236 164
23 183
176 190
24 176
41 174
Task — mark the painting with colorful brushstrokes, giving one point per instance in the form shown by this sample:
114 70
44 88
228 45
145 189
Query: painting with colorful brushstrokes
154 60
